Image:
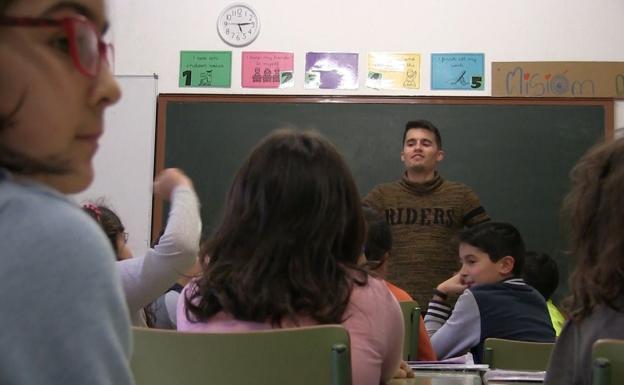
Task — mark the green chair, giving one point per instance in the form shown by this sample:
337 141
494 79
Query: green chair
608 362
517 355
315 355
411 319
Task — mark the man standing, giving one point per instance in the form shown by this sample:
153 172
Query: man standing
425 213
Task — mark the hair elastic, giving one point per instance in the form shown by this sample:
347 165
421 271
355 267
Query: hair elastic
94 209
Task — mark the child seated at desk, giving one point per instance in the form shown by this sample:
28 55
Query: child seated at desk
494 301
376 253
596 306
145 278
541 272
286 252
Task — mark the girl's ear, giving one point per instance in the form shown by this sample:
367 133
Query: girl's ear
506 264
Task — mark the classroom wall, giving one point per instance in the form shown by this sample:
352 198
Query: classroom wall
148 35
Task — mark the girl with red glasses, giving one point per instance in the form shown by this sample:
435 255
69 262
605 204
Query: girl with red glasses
64 319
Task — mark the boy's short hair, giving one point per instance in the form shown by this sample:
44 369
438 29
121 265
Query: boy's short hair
425 125
378 235
541 272
497 239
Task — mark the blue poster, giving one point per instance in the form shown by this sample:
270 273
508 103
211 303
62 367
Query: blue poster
457 71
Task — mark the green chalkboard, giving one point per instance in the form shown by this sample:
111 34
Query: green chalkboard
515 153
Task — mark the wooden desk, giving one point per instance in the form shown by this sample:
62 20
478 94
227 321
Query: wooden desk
449 378
439 378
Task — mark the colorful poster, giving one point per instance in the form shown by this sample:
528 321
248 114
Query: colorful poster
329 70
268 70
205 69
393 71
558 79
457 71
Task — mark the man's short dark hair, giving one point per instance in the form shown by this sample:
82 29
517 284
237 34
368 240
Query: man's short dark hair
541 272
425 125
497 239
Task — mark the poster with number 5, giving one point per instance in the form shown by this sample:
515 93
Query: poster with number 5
457 71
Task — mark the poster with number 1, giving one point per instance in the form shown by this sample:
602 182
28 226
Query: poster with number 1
205 69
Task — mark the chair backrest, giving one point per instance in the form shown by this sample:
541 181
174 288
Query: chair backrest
411 320
307 356
608 362
517 355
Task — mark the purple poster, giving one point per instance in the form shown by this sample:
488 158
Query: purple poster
331 70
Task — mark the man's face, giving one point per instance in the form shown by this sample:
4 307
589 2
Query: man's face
420 151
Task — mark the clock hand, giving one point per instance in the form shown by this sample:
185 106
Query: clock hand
239 27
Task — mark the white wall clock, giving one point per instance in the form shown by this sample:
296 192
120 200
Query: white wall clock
238 24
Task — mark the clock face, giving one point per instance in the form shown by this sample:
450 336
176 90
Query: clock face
238 25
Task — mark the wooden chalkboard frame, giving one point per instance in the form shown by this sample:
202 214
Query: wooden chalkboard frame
163 99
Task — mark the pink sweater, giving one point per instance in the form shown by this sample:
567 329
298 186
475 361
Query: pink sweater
373 319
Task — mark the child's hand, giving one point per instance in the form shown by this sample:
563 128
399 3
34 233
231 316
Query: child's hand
168 180
404 371
453 285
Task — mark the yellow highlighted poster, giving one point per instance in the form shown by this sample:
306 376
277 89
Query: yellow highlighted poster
393 71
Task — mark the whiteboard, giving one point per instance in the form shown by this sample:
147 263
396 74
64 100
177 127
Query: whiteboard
124 163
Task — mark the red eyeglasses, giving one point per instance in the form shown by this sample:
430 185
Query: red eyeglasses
86 46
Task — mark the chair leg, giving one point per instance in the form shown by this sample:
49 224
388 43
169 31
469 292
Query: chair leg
601 372
415 325
488 354
341 365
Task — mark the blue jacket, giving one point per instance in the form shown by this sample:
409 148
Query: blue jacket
509 309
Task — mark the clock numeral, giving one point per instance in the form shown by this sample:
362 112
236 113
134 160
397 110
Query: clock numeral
187 77
229 17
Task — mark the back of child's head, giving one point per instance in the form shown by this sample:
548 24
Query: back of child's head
291 226
378 237
498 240
596 217
541 272
108 220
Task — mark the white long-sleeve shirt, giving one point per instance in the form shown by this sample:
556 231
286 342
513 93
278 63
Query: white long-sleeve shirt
147 277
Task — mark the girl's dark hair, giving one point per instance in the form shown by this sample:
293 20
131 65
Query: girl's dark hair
108 220
290 237
596 213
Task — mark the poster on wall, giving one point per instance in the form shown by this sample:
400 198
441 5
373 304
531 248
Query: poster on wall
457 71
558 79
205 69
393 71
268 70
331 70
